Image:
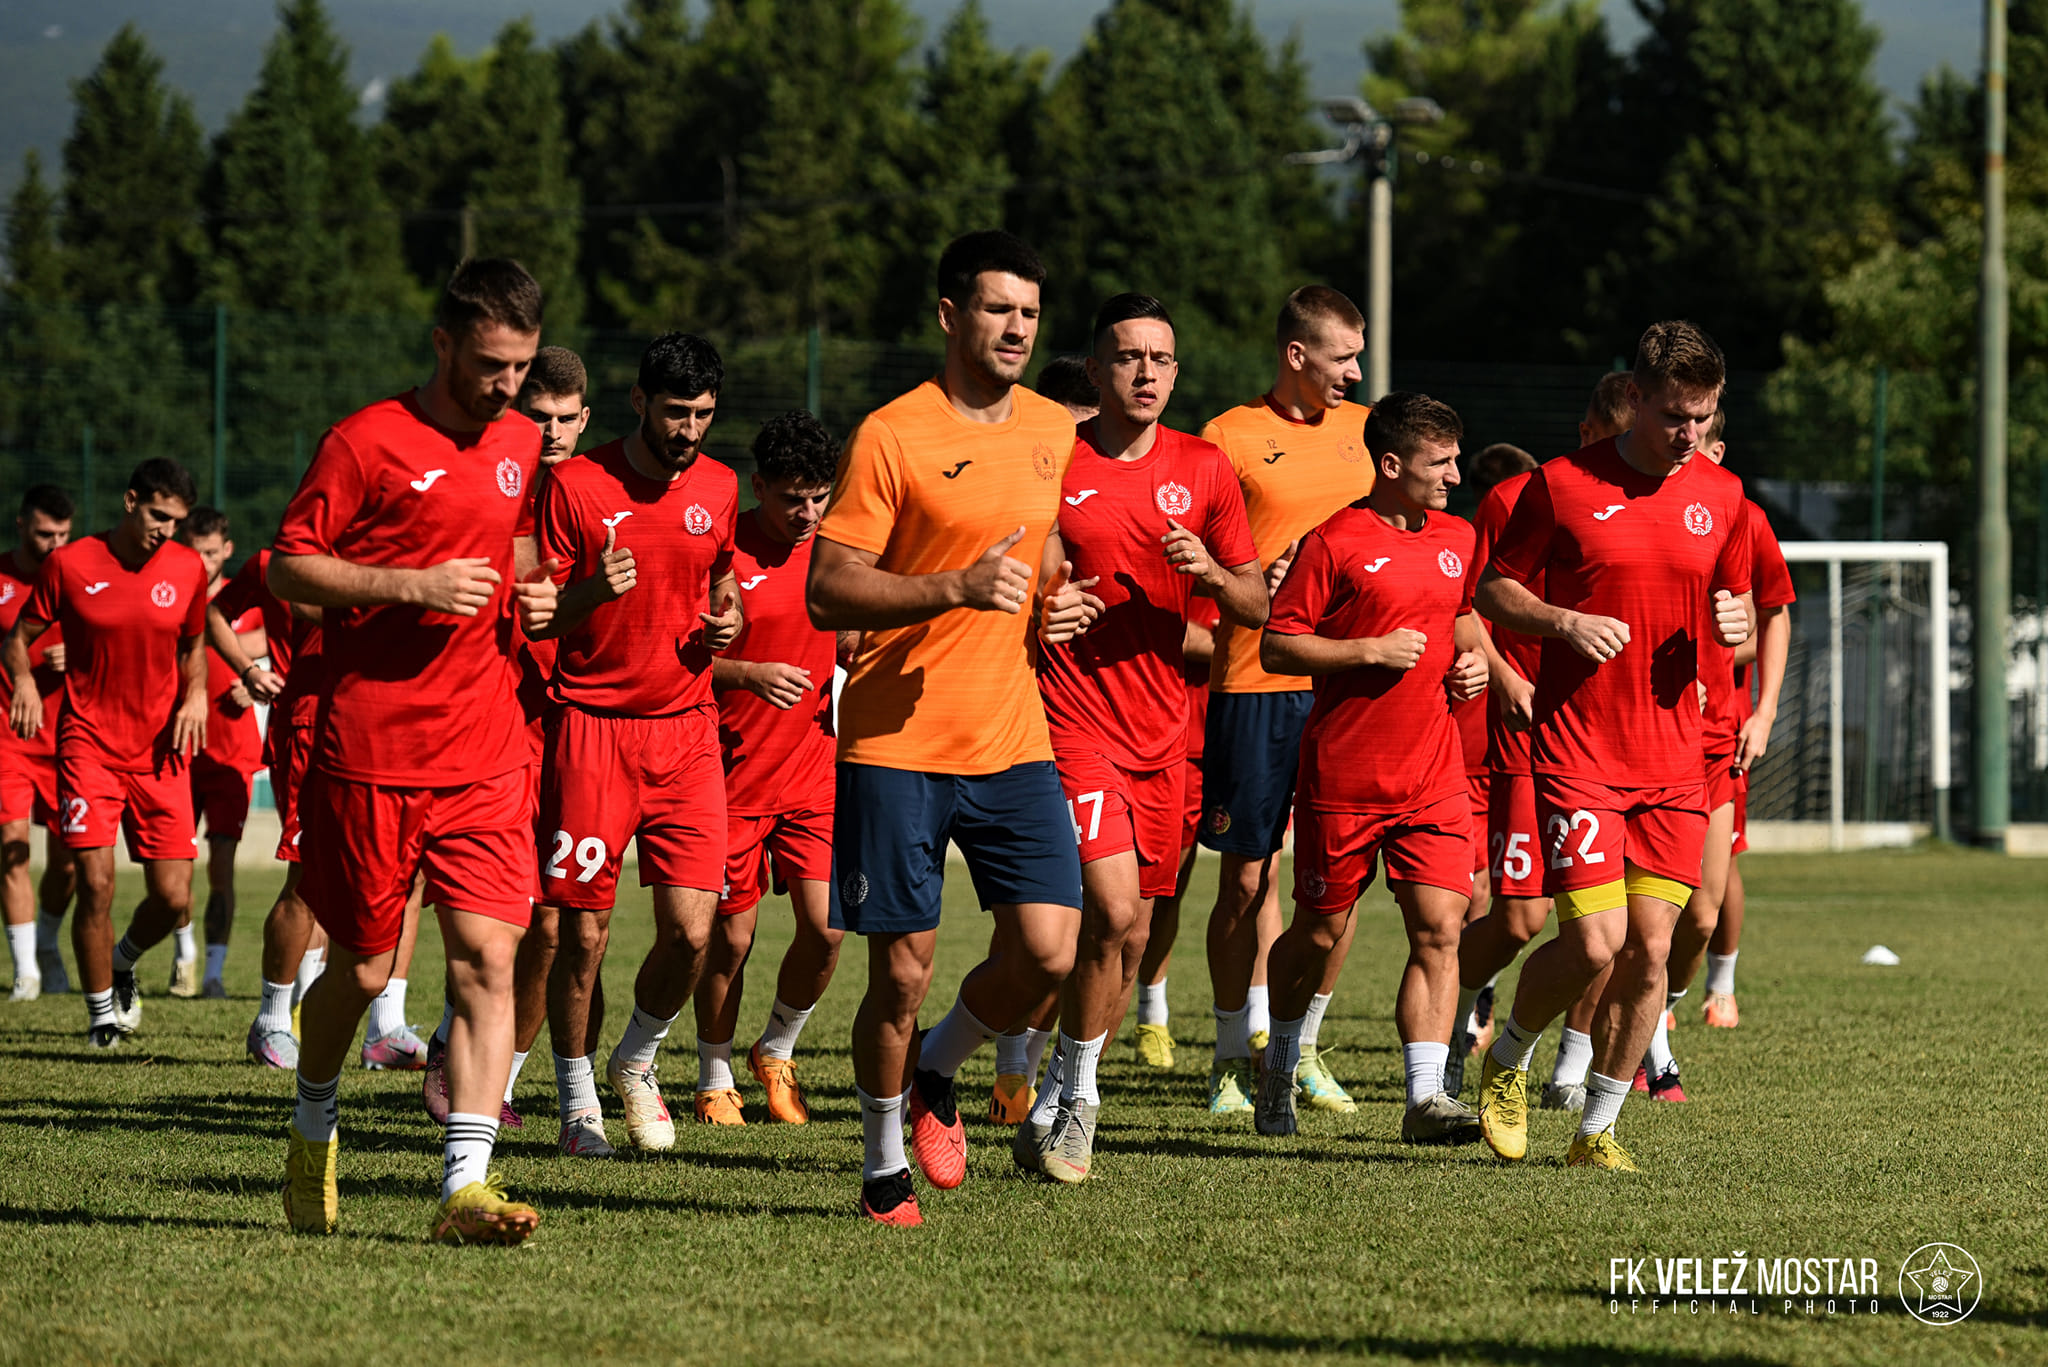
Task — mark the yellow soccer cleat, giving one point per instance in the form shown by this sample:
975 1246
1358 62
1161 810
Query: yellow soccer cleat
1011 1101
1231 1087
1321 1091
1504 1109
719 1107
312 1196
1600 1150
480 1214
185 978
777 1077
1155 1046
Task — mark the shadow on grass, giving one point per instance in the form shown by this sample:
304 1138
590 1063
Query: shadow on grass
263 1117
1486 1350
124 1056
547 1198
1263 1150
28 1215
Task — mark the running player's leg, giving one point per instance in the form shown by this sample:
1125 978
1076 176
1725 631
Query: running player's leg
53 897
1696 925
1566 1090
800 853
537 950
1423 1011
884 1040
717 998
1628 1013
18 907
220 907
1719 1008
388 1042
1244 886
1154 1037
1319 1087
287 931
575 1022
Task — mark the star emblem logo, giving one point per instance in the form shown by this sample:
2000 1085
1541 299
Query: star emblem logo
1940 1284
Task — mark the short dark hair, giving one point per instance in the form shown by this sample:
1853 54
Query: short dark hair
1718 427
48 500
492 289
162 475
1401 421
682 364
966 257
1498 462
203 521
1679 353
1065 380
1610 402
558 373
1313 306
1122 308
795 446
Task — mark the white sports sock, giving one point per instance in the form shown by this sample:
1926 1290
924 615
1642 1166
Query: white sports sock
1035 1042
49 932
276 1011
1047 1107
643 1037
714 1066
1425 1064
466 1150
953 1041
1462 1020
1258 1005
187 947
1152 1003
216 962
512 1078
1604 1096
785 1023
310 964
447 1019
21 943
1233 1040
317 1113
1312 1023
1283 1053
1078 1087
1721 973
1659 1057
881 1126
99 1008
1514 1046
575 1086
1574 1057
126 955
1011 1060
387 1011
1672 999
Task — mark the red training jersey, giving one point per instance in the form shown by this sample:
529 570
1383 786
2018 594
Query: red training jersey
121 629
1507 752
293 642
642 655
1120 690
1649 551
1204 613
412 698
1771 582
1380 739
777 760
232 738
15 587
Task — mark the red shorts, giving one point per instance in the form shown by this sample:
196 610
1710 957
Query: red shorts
1191 801
1720 780
221 795
792 846
1591 830
291 750
1116 810
655 780
1741 832
1336 853
1516 861
1477 789
365 844
153 808
28 783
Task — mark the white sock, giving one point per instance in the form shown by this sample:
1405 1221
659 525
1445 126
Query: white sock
1011 1060
1514 1046
1258 1006
1047 1107
447 1019
187 946
512 1078
1312 1023
21 943
99 1008
1283 1053
49 933
643 1037
1425 1064
1035 1042
1078 1087
953 1041
1660 1049
1672 999
785 1023
387 1011
1463 1016
216 962
276 1011
317 1113
575 1086
1152 1003
1721 973
1604 1096
310 964
881 1126
466 1150
714 1066
1574 1058
126 955
1233 1040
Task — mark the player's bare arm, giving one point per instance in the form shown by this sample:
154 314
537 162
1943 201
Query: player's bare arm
1517 695
26 716
616 576
1286 653
236 648
779 685
1276 573
1239 590
846 592
1510 604
722 627
188 723
1773 643
461 587
1470 671
1197 644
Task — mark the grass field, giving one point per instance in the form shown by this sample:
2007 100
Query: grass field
1858 1112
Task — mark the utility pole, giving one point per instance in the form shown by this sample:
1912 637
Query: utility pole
1992 738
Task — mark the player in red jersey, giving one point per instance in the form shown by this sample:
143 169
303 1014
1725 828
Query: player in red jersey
633 749
132 606
1377 609
1642 554
28 768
1150 517
403 531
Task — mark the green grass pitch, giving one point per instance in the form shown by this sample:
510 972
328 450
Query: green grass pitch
1858 1112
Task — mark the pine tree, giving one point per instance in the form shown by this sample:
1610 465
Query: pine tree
43 340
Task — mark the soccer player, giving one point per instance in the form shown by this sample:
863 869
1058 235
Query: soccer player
1299 452
1377 608
132 606
555 397
403 531
28 768
633 749
1150 517
1642 554
933 547
774 689
1065 381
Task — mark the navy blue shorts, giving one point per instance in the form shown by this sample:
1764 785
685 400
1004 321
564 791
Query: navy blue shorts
1249 754
891 827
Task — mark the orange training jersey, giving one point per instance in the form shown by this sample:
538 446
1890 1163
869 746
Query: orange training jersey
1295 476
927 490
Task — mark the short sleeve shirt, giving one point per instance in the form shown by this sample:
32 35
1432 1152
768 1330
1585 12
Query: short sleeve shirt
1507 752
232 739
1771 587
777 759
925 490
15 587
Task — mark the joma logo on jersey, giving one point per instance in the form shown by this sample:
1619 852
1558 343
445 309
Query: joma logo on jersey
510 478
1174 499
6 594
164 593
751 584
1447 560
1376 566
696 519
1698 520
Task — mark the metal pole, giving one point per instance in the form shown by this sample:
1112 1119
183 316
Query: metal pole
1994 536
1379 313
220 407
1873 653
1942 740
814 368
1836 835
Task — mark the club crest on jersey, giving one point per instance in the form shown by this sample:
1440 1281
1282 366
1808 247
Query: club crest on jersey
1174 499
164 593
1698 520
1352 452
1312 883
510 479
696 520
853 889
1043 462
1219 820
1447 560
